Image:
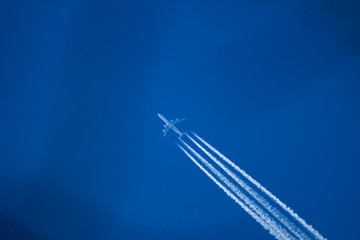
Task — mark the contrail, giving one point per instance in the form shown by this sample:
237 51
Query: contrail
265 191
282 218
231 195
280 232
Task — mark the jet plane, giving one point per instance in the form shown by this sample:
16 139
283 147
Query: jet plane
170 125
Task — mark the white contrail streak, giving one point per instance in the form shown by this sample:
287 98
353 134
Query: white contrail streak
282 218
280 231
231 195
264 190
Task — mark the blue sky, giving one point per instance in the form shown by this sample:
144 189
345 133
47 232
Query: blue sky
274 86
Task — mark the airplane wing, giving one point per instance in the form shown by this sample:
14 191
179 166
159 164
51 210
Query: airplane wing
172 122
176 121
166 129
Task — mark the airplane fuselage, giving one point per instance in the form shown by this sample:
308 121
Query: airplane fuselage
168 123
